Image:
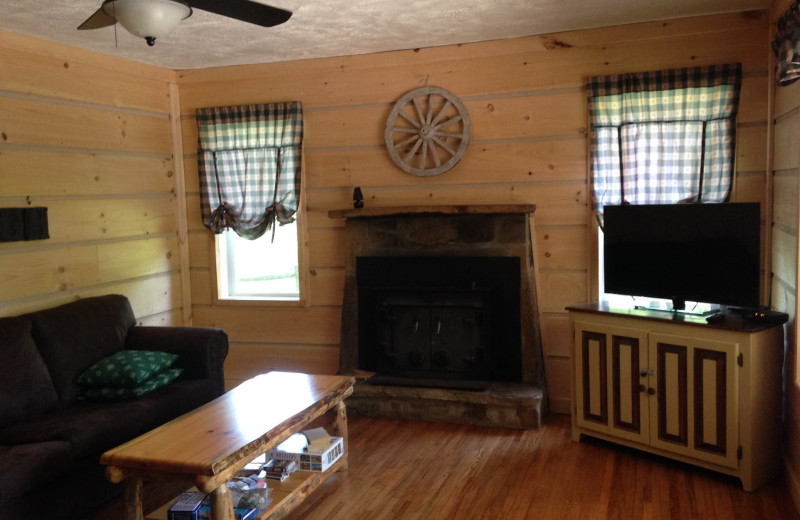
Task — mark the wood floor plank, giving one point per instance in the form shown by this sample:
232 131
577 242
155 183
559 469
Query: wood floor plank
407 470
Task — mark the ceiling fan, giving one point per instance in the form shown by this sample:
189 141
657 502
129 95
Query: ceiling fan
151 19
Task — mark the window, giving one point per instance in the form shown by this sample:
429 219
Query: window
260 269
662 137
250 164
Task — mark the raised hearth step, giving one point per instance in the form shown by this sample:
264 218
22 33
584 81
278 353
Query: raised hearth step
502 405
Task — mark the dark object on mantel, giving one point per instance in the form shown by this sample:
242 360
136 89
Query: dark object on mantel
358 198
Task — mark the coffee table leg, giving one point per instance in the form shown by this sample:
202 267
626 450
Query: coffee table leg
133 499
222 504
341 430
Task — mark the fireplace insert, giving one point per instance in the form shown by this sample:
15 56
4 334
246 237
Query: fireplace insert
439 320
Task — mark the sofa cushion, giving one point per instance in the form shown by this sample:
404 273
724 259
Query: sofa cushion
163 378
73 337
126 368
26 466
92 427
26 389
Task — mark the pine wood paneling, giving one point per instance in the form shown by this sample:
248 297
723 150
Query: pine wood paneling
88 137
785 204
526 64
246 360
41 123
75 173
751 148
529 144
561 247
522 162
786 135
556 334
314 325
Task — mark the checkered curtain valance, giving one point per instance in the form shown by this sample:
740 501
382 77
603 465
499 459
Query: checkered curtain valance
249 160
786 46
663 137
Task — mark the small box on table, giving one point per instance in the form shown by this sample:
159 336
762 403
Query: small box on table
316 461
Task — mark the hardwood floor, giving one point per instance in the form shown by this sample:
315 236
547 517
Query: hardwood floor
420 470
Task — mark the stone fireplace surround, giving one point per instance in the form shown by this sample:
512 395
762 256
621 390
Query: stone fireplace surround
453 231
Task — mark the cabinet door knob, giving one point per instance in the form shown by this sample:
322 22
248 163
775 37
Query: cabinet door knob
642 388
651 391
646 372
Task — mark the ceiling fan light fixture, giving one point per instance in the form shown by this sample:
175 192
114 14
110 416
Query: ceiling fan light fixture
148 19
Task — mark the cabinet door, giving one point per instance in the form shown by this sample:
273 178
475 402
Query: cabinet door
694 412
609 392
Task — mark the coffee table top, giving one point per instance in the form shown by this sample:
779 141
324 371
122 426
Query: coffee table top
231 430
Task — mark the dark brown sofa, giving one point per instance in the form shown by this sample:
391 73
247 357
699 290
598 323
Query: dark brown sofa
50 438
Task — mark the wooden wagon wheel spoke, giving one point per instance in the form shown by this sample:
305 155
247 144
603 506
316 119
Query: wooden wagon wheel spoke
442 112
410 140
419 110
435 154
414 143
447 123
430 109
447 134
408 118
410 154
440 143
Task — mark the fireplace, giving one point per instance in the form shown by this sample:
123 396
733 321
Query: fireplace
439 321
439 317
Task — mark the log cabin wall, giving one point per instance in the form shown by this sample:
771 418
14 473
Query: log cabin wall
785 219
89 137
526 99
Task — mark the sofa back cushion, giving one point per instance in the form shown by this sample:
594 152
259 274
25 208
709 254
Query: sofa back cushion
26 389
73 337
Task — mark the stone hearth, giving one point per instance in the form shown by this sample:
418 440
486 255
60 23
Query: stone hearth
508 397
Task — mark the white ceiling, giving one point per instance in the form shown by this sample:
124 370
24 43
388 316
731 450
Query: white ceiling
324 28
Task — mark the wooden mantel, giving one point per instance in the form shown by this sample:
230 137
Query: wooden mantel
442 210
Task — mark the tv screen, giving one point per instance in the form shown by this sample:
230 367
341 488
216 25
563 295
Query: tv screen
684 252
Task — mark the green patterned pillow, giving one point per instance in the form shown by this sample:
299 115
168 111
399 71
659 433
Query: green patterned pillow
125 392
126 368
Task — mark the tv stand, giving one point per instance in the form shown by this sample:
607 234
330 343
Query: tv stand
708 394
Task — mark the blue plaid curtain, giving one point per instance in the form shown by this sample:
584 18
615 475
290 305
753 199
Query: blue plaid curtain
663 137
786 46
249 160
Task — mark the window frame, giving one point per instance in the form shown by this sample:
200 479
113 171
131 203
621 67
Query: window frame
302 261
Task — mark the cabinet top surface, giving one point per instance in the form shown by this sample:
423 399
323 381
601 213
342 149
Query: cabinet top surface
733 321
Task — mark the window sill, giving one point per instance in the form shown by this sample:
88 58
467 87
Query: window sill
259 302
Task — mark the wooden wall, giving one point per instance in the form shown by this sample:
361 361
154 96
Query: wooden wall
89 137
526 98
785 221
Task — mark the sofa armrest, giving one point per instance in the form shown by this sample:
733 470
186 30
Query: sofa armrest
201 350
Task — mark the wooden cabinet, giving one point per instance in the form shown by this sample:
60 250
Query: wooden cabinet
676 386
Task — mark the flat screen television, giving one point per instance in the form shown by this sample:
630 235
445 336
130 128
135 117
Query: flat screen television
684 252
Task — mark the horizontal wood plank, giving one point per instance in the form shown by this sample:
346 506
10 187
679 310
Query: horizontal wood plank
276 325
27 122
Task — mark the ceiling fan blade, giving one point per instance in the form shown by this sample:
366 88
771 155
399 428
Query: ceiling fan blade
244 10
97 20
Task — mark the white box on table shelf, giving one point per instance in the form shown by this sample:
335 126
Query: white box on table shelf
317 461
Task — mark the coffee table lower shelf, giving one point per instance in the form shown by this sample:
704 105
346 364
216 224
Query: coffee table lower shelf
285 495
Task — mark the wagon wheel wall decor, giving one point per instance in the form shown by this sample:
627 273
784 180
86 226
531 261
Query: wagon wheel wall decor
427 131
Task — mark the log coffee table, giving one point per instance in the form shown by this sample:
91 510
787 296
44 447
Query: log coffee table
207 446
